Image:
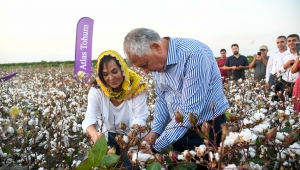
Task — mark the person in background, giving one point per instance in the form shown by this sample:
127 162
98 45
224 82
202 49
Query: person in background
296 89
289 78
236 64
260 63
118 95
275 63
221 62
187 80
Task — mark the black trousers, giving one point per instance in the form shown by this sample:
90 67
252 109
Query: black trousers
283 86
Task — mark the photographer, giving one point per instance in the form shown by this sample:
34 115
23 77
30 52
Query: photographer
259 63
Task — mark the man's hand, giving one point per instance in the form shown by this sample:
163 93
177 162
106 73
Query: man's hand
239 67
254 57
151 138
234 68
258 57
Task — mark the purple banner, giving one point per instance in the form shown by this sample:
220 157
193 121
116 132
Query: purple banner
5 78
83 49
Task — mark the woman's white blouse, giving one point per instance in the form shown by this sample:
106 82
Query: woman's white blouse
134 111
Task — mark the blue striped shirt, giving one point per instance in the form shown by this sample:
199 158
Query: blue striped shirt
191 82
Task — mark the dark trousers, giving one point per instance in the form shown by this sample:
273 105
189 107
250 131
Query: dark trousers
123 153
191 139
287 87
272 79
283 86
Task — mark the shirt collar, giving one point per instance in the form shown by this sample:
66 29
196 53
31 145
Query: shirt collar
172 57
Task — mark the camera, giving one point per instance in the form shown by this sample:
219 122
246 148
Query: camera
259 53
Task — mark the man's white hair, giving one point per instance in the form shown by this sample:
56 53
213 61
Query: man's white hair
138 41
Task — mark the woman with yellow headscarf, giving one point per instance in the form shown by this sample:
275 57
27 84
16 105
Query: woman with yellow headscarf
118 95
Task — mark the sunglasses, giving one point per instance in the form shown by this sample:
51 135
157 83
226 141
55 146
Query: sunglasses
262 50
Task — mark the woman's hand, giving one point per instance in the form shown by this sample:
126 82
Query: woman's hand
93 133
132 133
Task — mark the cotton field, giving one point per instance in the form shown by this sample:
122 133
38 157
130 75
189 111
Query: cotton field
41 110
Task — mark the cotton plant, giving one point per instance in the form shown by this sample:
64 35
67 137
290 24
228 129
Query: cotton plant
48 106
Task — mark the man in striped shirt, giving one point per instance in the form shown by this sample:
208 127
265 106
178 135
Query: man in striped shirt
187 79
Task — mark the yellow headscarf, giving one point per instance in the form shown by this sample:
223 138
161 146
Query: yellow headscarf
132 84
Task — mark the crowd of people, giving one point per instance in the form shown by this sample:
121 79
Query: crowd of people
187 81
280 70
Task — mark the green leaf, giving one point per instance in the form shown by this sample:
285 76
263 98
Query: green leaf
271 151
228 116
258 160
91 157
99 150
109 160
68 159
96 153
7 149
295 137
259 106
154 166
287 129
258 143
87 164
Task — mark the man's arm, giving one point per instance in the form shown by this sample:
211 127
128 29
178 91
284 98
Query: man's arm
194 91
264 61
161 115
295 67
252 64
246 64
227 67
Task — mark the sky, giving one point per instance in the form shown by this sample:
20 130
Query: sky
36 30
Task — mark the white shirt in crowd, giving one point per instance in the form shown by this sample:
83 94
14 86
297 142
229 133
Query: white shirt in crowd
134 111
275 63
287 75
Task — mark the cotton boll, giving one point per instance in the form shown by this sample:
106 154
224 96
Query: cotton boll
180 157
193 153
74 129
10 130
295 148
281 135
140 156
230 139
287 112
255 166
257 117
246 135
125 138
217 157
253 138
282 154
247 121
31 122
251 152
231 167
202 148
292 121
